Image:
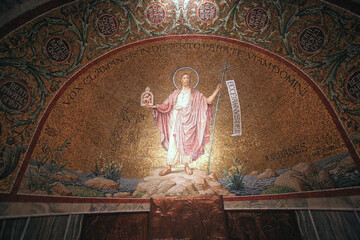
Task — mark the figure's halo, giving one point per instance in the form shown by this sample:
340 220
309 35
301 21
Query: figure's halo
177 71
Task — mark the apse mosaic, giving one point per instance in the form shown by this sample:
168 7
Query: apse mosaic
164 98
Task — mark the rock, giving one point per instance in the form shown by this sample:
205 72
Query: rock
348 162
325 180
145 196
159 195
308 178
213 184
143 186
122 195
213 177
188 184
69 177
165 186
108 195
178 190
254 173
80 172
306 168
345 165
331 165
293 180
268 173
222 191
152 189
60 189
178 183
208 191
337 170
200 183
102 183
39 192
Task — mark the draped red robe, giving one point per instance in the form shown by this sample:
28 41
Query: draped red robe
191 125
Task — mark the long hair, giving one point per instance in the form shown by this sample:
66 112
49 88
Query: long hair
185 73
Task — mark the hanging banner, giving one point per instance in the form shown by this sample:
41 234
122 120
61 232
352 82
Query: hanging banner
235 105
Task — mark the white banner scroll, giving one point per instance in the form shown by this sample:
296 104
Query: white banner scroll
235 105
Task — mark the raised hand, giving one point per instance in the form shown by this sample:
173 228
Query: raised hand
150 106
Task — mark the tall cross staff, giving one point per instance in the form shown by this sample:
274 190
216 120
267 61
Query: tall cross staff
216 111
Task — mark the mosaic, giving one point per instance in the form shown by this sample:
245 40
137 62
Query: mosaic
266 93
156 13
207 11
107 24
257 19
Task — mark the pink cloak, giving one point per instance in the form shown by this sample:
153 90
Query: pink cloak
191 125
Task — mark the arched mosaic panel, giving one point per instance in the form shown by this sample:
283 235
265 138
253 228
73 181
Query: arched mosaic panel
74 82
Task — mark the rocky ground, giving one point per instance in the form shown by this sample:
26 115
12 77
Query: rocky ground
179 183
302 177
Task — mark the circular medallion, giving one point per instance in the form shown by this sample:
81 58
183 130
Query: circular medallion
207 11
311 39
257 19
15 96
155 13
58 49
107 24
352 85
181 71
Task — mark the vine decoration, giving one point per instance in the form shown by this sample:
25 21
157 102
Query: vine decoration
76 20
231 22
30 64
36 68
335 58
131 28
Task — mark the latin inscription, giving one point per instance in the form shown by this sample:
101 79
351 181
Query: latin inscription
58 49
107 25
14 95
353 85
286 153
235 105
127 129
207 12
311 39
257 19
156 13
284 76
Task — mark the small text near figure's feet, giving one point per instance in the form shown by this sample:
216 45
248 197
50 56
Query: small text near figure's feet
165 172
188 170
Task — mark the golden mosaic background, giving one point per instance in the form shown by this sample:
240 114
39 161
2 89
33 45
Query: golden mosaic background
275 116
135 47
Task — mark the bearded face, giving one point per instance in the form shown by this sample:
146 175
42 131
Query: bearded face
185 80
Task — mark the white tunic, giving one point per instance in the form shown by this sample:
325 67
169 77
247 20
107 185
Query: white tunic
173 155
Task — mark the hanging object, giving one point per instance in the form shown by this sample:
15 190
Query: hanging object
147 98
235 105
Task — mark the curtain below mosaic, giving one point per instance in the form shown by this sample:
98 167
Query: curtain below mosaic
145 99
45 227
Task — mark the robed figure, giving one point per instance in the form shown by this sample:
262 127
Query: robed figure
184 120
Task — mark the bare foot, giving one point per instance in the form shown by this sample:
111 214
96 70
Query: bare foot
165 172
188 170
